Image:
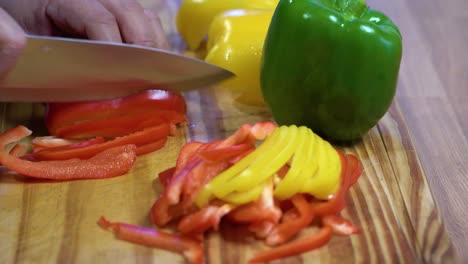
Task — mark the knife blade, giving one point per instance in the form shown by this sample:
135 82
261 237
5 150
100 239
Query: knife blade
61 69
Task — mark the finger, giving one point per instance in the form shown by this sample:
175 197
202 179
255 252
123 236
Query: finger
84 18
135 27
12 41
156 26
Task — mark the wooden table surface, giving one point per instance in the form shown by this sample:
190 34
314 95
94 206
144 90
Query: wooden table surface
410 201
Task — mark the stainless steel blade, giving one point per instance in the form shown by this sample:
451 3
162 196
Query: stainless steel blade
60 69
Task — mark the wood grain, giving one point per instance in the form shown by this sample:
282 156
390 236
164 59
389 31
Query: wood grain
44 222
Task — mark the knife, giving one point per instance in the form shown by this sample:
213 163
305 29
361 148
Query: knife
61 69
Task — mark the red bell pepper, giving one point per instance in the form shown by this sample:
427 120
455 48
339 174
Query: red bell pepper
109 163
117 117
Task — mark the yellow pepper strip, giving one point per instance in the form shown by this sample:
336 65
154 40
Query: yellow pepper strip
220 180
235 43
288 186
326 181
245 197
270 163
310 167
195 16
264 156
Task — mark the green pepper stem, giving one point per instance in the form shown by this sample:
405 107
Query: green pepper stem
349 8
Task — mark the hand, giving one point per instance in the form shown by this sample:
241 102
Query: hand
12 40
109 20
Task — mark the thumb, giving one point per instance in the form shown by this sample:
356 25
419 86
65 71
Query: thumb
12 41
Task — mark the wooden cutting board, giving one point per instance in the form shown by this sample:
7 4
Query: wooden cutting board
47 222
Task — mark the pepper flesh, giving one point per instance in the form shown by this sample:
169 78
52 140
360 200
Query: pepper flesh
235 43
195 16
330 65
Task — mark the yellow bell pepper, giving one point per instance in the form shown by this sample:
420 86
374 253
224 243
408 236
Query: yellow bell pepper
194 16
235 42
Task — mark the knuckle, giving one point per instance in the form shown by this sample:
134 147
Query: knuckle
102 17
152 16
130 6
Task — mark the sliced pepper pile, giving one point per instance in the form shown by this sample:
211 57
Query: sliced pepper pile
233 180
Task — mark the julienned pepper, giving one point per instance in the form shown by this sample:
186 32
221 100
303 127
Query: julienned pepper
331 65
235 42
195 16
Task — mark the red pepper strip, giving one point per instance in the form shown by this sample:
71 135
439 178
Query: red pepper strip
222 154
199 177
189 247
167 206
151 147
78 144
182 174
350 171
261 229
248 133
287 229
355 167
340 225
236 159
263 209
51 141
203 220
110 163
262 129
139 138
290 215
295 247
110 127
165 176
18 150
162 212
188 151
191 174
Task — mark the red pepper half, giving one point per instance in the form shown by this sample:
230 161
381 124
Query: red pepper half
109 163
117 117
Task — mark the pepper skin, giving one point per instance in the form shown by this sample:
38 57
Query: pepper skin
331 65
235 42
195 16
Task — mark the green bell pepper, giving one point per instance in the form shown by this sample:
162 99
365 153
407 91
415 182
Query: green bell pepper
331 65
